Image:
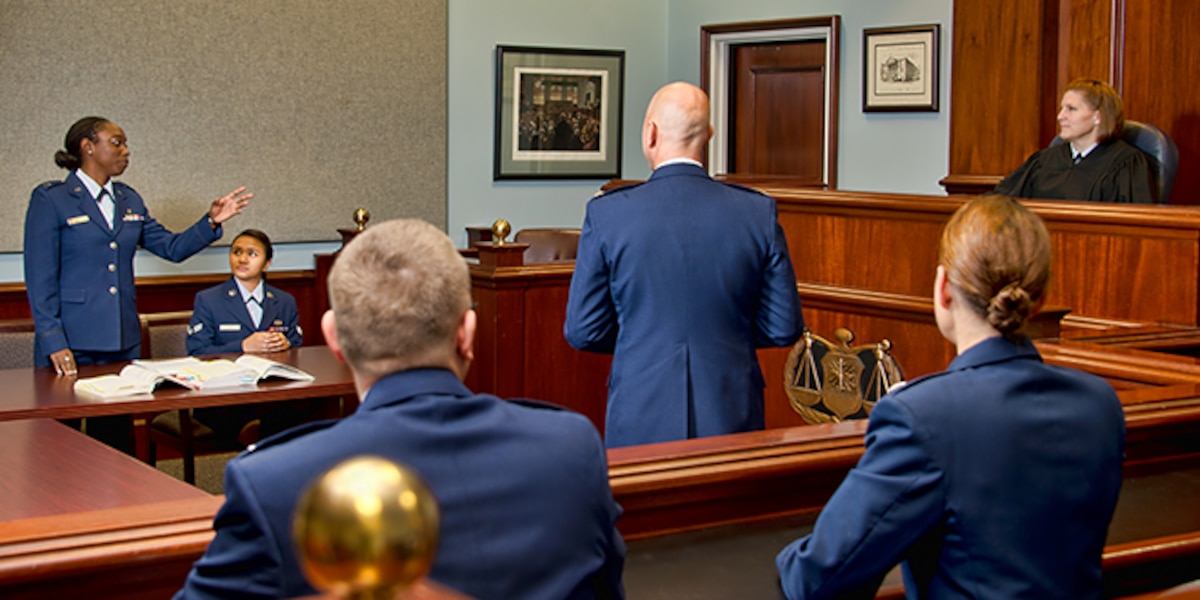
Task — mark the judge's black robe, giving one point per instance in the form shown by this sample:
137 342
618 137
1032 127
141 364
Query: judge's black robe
1112 172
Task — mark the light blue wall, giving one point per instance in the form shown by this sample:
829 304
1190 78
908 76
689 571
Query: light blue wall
880 152
476 27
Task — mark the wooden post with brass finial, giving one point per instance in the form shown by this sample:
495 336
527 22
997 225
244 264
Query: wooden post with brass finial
499 252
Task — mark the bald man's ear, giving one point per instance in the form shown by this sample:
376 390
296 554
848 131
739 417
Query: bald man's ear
710 132
650 135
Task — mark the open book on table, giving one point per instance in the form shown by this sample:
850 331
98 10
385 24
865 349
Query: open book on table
142 376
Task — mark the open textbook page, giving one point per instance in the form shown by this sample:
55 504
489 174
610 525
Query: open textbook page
142 376
194 373
130 382
264 367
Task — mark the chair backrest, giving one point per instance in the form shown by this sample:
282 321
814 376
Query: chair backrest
1158 147
16 343
548 245
828 381
1161 148
164 335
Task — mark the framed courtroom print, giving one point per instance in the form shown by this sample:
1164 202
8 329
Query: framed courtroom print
900 69
558 113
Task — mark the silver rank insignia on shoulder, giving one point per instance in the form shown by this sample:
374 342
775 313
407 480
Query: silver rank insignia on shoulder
196 329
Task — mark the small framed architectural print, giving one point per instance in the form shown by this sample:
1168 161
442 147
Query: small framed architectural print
900 68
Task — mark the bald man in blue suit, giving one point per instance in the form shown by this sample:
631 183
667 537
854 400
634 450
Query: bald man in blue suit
681 278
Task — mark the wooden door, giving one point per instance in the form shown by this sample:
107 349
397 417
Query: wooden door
777 109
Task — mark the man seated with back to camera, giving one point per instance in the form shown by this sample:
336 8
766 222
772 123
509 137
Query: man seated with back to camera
526 508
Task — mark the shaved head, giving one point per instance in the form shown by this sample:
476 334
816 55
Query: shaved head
676 124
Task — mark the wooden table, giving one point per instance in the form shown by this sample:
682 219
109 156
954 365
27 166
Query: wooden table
48 469
90 514
34 393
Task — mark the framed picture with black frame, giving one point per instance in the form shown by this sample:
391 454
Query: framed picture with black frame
558 113
900 69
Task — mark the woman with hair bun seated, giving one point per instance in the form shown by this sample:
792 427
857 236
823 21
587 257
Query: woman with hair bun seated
996 478
1093 163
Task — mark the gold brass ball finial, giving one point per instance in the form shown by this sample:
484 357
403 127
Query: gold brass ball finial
500 229
361 216
367 528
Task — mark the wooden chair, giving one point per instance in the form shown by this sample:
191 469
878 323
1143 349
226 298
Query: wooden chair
828 381
16 343
164 335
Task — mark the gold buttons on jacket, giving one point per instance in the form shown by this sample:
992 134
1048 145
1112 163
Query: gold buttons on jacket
112 268
112 245
112 290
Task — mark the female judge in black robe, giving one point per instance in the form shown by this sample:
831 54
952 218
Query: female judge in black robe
1093 163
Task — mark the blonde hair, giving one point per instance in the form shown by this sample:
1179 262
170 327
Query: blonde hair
1103 98
398 292
997 254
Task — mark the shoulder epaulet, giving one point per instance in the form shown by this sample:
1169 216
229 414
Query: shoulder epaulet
744 187
289 435
623 188
538 404
905 385
122 184
49 184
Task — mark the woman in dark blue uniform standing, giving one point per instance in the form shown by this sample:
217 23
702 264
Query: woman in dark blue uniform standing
80 239
996 478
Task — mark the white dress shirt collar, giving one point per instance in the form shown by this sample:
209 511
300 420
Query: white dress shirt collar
682 160
94 188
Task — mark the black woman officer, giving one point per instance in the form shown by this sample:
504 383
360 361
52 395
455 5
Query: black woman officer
80 239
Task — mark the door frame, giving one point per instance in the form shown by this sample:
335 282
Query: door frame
716 42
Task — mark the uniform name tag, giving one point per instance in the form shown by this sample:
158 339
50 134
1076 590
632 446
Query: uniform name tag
78 220
231 327
133 217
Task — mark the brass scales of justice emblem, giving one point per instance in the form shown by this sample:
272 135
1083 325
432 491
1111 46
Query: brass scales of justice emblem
824 379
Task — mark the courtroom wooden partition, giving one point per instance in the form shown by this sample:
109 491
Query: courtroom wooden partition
864 261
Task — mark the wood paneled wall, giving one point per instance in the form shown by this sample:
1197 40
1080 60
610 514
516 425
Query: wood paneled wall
1013 57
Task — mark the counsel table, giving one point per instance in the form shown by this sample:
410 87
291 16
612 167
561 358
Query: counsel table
48 469
33 393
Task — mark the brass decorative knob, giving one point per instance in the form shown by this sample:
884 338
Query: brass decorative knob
367 528
361 216
500 230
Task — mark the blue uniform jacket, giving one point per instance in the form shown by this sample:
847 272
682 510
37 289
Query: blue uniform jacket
220 320
994 479
79 274
523 490
682 277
